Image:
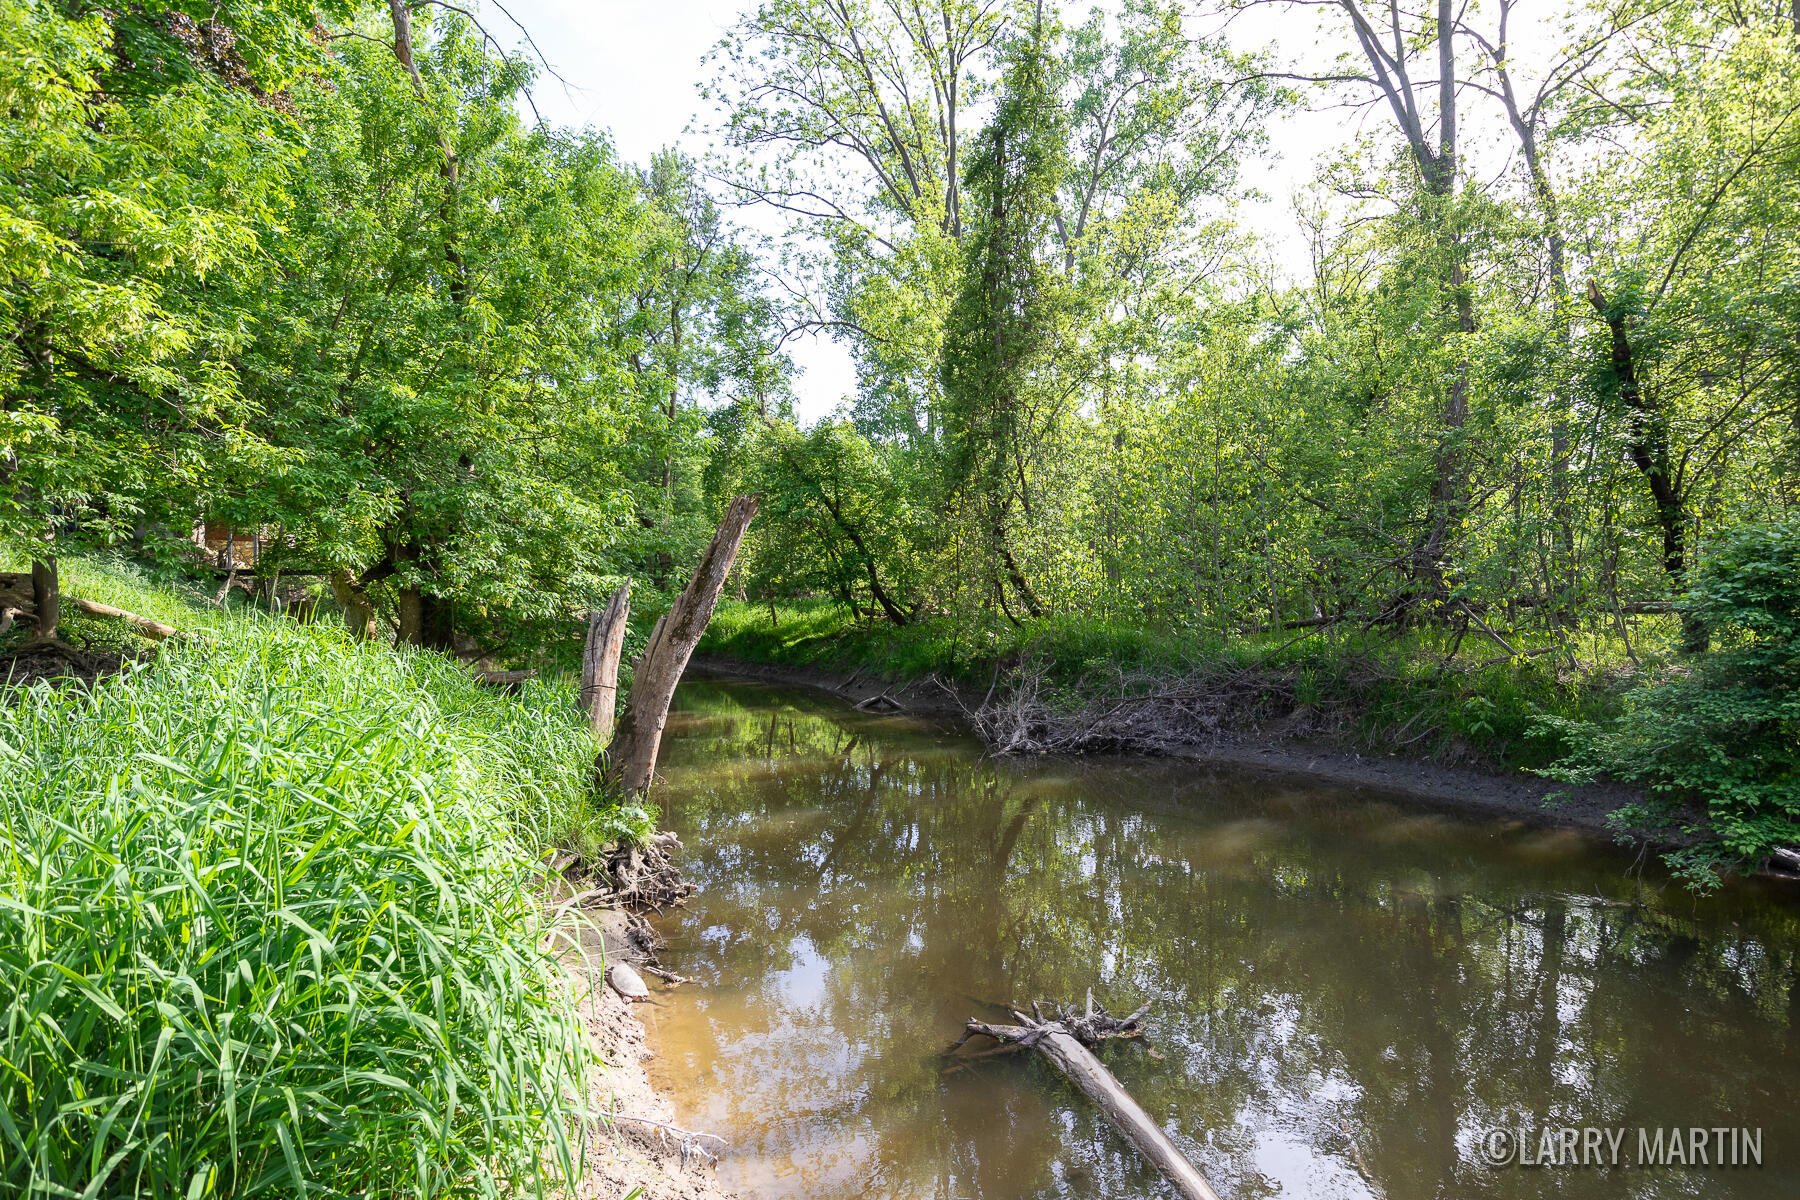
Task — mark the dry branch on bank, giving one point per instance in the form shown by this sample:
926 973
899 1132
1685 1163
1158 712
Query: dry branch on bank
144 625
1135 715
1064 1041
504 678
17 602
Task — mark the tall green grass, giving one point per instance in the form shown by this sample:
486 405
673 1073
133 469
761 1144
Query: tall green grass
268 925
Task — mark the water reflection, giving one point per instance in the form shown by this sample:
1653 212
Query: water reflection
1346 989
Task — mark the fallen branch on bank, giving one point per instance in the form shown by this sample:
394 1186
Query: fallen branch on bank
690 1139
1064 1040
504 678
16 603
144 625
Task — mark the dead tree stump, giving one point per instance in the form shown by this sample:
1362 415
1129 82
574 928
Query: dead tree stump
630 762
600 663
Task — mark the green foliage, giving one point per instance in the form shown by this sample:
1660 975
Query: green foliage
142 166
1715 742
270 923
1421 697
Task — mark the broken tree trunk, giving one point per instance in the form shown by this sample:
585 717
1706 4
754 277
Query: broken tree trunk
600 663
630 762
1064 1041
46 597
359 614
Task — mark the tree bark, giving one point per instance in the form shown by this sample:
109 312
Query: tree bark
359 614
409 616
600 663
1018 578
630 763
436 627
46 597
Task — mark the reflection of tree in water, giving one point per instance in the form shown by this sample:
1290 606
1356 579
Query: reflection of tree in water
1326 970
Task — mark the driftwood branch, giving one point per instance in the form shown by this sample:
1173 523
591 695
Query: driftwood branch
504 678
690 1139
1064 1040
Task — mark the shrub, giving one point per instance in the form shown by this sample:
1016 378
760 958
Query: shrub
1715 742
266 928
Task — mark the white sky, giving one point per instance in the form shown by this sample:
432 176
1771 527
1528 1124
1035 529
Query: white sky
633 69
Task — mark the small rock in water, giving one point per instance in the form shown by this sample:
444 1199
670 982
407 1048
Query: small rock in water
627 982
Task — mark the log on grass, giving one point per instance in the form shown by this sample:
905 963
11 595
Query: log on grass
1061 1042
144 625
630 762
600 663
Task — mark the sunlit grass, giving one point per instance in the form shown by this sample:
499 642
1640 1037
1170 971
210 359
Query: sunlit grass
269 920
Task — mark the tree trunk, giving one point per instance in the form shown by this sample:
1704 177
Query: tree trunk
46 597
1018 579
600 663
1647 445
436 627
409 617
630 763
359 614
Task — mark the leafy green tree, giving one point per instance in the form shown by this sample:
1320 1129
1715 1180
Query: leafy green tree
143 169
454 425
1001 329
838 518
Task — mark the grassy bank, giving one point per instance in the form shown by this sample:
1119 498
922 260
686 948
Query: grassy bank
1425 695
269 920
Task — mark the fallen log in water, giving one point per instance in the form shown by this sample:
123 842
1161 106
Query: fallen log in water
1064 1041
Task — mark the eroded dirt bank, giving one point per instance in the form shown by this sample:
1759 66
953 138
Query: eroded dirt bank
645 1146
1273 747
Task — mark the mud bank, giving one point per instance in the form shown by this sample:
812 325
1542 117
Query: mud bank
1268 749
644 1146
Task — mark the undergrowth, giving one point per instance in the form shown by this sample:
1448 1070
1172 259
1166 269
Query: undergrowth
1424 694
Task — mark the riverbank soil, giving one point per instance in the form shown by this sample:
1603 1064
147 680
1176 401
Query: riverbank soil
628 1154
1278 747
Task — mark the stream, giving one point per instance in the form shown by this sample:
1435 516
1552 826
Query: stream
1348 990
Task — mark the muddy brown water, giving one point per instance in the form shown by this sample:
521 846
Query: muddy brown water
1349 990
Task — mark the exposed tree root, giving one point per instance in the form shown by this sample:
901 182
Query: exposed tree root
645 876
